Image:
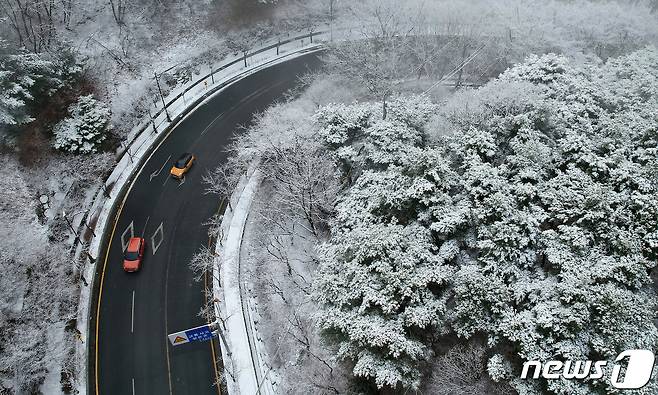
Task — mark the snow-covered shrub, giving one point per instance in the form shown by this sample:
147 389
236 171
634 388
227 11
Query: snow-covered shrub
86 127
499 368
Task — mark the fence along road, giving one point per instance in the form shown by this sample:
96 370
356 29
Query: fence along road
137 310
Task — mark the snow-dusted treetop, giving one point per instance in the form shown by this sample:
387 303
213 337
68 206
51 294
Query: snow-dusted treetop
526 211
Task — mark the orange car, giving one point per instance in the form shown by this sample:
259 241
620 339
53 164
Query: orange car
132 259
182 165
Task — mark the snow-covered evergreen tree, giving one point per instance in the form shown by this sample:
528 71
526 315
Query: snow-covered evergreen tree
381 279
533 210
85 128
23 76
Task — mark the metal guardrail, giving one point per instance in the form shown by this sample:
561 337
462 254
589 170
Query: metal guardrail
79 234
224 66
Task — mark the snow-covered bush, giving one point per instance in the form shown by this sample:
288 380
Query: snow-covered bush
530 218
86 127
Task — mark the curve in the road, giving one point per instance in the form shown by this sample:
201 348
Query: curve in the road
137 310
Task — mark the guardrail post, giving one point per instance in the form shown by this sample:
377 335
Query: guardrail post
212 75
68 222
155 130
245 58
106 193
278 44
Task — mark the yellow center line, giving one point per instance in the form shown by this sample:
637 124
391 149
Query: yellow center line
107 254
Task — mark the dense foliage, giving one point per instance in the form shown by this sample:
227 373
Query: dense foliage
526 211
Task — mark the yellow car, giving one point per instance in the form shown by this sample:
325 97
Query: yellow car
182 165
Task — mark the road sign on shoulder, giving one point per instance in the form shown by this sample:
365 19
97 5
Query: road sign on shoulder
198 334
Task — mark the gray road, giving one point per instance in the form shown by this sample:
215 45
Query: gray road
137 310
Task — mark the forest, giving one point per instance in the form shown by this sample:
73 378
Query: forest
465 185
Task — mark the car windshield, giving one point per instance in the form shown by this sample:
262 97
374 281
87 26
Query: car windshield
132 256
181 162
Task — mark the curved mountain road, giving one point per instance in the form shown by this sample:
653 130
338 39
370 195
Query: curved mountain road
137 310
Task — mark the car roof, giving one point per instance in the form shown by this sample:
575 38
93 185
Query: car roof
133 244
185 156
183 160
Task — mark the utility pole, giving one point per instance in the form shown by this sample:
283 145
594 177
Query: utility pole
331 20
157 81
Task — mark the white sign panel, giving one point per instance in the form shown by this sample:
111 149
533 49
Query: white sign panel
178 338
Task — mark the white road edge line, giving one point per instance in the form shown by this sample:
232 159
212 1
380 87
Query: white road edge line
132 317
133 380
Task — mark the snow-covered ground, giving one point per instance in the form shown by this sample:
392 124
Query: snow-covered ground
246 365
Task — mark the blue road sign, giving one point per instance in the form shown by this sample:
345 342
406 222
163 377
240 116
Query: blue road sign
198 334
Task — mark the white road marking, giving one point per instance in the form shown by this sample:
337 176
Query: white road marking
241 102
157 172
182 180
155 243
165 183
132 315
145 223
133 386
124 242
221 114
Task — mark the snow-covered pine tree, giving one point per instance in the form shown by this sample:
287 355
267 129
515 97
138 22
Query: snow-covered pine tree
23 76
85 128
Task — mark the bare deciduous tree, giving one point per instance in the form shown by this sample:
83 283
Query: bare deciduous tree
462 371
379 60
32 21
223 179
119 11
